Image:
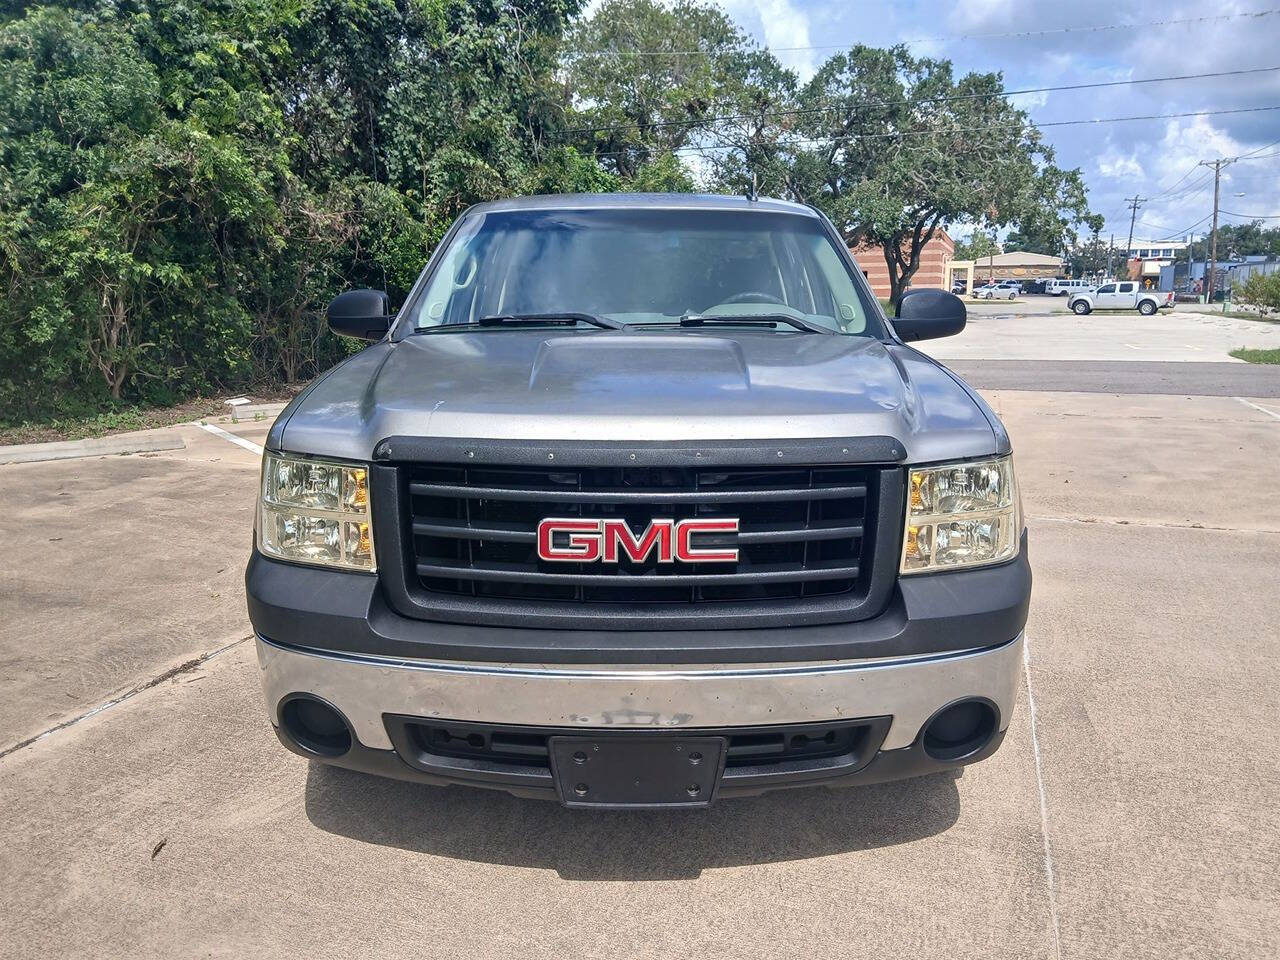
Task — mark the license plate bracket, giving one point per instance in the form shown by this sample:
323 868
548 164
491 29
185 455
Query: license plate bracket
637 771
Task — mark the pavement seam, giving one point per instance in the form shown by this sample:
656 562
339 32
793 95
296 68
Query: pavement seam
185 667
1151 523
1044 803
1250 403
231 437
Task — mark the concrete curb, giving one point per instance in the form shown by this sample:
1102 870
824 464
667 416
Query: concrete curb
256 411
91 447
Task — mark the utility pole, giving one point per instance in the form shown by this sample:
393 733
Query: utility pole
1111 249
1213 238
1134 202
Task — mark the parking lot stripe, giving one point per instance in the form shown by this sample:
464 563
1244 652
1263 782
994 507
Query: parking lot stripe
225 435
1250 403
1044 803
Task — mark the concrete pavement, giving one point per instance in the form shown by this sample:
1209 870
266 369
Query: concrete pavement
1137 821
1177 336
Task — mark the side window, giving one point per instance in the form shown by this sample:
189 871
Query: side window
1126 288
1108 288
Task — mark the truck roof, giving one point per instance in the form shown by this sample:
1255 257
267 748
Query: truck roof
670 201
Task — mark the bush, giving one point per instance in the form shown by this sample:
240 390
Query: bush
1262 291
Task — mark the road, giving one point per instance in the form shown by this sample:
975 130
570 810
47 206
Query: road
1119 376
150 812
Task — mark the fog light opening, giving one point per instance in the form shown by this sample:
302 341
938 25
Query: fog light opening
960 729
315 725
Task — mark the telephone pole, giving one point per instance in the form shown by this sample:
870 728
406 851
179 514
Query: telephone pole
1213 237
1134 202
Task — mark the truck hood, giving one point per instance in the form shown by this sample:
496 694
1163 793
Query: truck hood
642 386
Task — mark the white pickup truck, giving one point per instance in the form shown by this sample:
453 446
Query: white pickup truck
1124 295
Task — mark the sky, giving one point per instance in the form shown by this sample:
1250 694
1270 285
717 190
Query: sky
1152 158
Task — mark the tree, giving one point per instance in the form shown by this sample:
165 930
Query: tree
628 108
184 186
979 245
893 146
1262 291
1236 240
1094 257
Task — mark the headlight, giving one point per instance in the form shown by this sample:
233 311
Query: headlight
316 512
961 515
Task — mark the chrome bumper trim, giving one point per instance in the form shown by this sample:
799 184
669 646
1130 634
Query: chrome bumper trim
910 690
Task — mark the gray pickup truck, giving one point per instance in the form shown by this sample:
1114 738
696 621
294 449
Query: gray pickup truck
640 501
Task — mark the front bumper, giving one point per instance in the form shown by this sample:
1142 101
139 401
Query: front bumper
942 638
896 696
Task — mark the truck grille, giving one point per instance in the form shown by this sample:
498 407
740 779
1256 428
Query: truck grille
804 531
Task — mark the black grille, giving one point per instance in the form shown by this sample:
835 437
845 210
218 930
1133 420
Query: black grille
803 531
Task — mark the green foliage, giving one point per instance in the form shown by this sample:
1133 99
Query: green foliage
1094 257
1261 291
979 245
1237 240
184 184
901 146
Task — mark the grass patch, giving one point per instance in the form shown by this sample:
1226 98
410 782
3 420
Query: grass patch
1257 356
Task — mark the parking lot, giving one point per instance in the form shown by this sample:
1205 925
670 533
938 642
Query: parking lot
1131 812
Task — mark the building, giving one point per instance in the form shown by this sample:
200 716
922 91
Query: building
1188 278
1016 266
935 259
1148 259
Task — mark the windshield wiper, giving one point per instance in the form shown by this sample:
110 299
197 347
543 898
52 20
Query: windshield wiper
528 320
758 319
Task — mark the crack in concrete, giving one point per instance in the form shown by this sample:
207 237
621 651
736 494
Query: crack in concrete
185 667
1151 523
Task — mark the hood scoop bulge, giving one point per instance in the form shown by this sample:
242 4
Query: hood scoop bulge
639 364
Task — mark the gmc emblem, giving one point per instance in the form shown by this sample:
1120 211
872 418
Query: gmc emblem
574 540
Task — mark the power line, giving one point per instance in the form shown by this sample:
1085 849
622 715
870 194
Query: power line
959 130
1252 154
1191 188
954 37
1253 216
923 100
1178 234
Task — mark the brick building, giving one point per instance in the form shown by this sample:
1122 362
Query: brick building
935 256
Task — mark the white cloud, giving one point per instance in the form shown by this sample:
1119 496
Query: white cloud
783 25
1116 165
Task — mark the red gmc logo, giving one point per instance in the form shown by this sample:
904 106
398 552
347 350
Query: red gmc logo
574 540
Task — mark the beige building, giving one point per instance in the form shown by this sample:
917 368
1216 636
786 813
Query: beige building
1016 266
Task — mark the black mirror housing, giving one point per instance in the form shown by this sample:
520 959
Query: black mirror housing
360 313
925 314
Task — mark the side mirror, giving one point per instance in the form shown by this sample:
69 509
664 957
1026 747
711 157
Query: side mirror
924 314
360 313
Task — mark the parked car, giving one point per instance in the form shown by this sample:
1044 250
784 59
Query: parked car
958 287
1062 288
1000 290
570 533
1125 295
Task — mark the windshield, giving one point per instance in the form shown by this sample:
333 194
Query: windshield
644 267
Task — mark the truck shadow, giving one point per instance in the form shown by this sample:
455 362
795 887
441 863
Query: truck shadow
490 827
